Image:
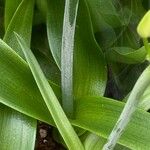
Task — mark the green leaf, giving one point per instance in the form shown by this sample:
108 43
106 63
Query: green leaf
145 100
20 23
18 89
104 11
2 18
126 55
89 64
42 6
43 55
67 51
16 92
128 37
129 109
50 99
17 131
10 8
103 114
95 142
123 77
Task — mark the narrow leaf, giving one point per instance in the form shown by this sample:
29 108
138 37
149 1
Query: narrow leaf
22 24
145 100
10 8
95 142
70 15
52 103
130 107
18 89
89 73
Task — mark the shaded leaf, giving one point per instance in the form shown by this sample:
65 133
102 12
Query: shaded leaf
10 9
130 107
70 137
20 23
43 55
126 55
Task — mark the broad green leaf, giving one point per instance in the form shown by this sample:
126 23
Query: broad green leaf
102 115
89 65
18 89
126 55
10 9
17 131
20 23
102 112
67 53
70 137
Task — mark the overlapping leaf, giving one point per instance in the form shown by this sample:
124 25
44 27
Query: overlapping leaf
102 113
126 55
20 23
50 99
18 131
17 87
89 65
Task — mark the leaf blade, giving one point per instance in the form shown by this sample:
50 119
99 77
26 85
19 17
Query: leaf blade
10 8
89 64
67 50
22 25
17 131
60 119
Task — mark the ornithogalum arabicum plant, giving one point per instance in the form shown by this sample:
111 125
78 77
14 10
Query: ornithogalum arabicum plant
76 65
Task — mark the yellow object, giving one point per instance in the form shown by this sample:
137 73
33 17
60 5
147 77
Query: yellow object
143 28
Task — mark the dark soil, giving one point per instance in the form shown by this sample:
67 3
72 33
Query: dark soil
44 139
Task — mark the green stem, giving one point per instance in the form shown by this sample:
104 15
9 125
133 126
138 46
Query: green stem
147 47
130 107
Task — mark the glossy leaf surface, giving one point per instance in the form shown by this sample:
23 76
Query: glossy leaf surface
50 99
89 64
